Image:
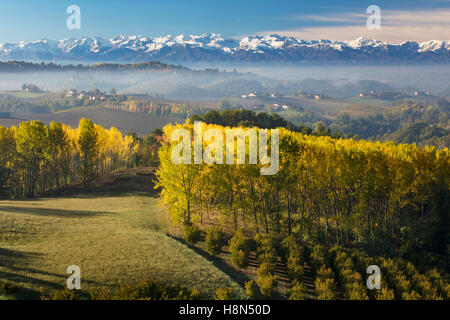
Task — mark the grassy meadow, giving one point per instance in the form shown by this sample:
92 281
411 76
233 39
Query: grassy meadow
114 237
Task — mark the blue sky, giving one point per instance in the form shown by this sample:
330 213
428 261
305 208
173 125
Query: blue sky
333 19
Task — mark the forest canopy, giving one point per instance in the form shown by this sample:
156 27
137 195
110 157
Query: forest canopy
385 198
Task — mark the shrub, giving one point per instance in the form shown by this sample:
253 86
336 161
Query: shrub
267 255
439 281
344 264
65 294
294 262
385 294
361 260
348 275
265 249
264 241
355 291
298 291
409 269
289 245
267 284
240 241
424 287
400 284
325 273
389 267
446 291
148 290
239 249
295 271
411 296
223 293
251 288
266 268
325 289
192 234
317 257
214 240
239 259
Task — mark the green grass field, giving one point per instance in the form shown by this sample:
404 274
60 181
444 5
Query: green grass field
114 238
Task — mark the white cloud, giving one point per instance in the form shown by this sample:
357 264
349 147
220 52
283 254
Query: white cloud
396 26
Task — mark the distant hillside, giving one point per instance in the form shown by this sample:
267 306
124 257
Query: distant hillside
142 124
21 66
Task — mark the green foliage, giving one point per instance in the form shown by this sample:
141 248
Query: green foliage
251 288
325 289
240 249
152 290
384 198
66 294
38 158
224 293
411 296
239 259
440 281
325 273
385 294
265 249
146 290
88 142
266 268
267 283
215 239
317 257
16 105
247 118
192 234
298 291
355 291
293 258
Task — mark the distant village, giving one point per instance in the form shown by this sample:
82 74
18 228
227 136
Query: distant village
392 95
276 106
92 95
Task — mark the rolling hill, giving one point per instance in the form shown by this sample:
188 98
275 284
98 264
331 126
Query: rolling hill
125 121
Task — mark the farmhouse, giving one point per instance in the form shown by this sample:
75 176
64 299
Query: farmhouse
422 93
71 93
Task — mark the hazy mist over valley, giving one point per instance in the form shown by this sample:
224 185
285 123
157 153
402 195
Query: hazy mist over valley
338 81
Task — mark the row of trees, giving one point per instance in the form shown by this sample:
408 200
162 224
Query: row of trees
390 199
35 158
155 108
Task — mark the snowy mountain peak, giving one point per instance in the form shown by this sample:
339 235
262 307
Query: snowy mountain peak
215 47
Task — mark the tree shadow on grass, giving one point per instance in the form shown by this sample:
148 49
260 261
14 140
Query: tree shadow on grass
14 269
239 277
235 275
50 212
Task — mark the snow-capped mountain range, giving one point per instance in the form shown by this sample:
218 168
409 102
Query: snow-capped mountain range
213 48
